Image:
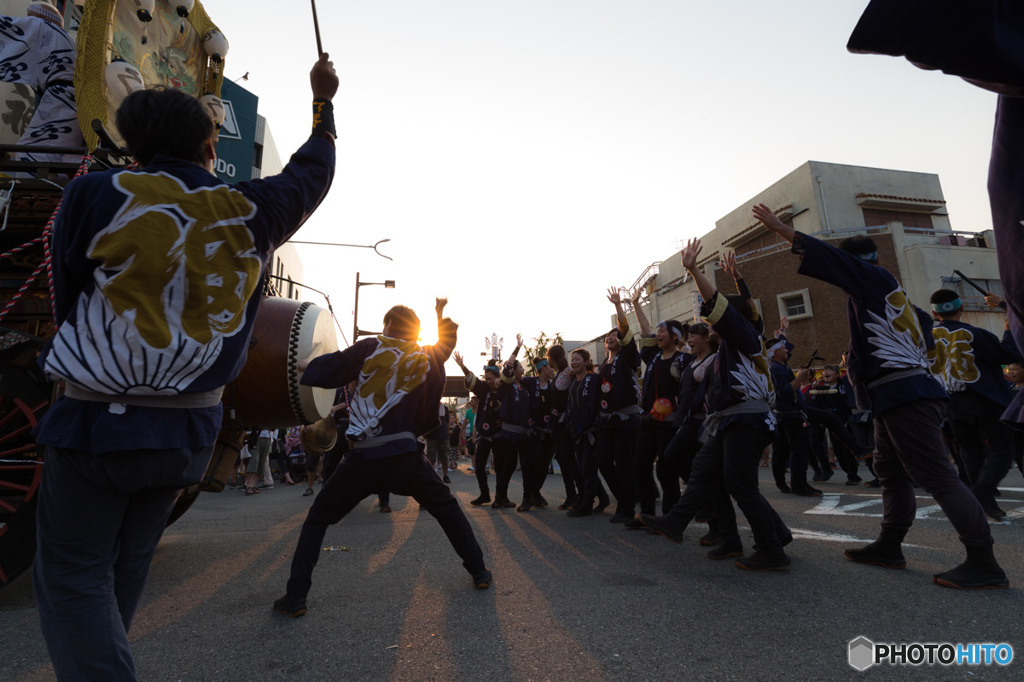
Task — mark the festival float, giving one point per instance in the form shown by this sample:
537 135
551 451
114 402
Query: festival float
109 49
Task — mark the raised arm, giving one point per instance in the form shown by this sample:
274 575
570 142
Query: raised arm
772 222
641 318
689 257
458 361
515 351
620 314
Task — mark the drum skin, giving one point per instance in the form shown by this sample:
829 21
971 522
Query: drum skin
267 393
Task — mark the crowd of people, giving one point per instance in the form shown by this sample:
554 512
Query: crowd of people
685 411
146 345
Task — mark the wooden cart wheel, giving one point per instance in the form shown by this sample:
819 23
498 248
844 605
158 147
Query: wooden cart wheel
21 468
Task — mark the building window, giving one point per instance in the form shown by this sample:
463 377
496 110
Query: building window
795 305
917 221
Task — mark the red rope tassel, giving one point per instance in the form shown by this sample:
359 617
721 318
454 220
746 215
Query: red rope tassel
47 238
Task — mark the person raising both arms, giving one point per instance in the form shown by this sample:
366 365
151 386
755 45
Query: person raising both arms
888 366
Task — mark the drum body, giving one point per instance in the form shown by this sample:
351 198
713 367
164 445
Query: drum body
267 393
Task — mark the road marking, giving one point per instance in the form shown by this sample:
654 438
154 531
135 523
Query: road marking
831 505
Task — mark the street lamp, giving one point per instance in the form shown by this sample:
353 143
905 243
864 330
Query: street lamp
387 284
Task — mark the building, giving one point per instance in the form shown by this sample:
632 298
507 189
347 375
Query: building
904 212
246 151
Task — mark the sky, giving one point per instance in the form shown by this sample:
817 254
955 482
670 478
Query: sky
524 156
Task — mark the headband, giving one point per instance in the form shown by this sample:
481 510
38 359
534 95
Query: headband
948 306
869 257
780 344
673 329
492 368
540 364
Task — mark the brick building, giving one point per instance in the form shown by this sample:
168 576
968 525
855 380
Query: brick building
904 212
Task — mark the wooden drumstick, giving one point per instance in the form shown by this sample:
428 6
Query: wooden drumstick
316 28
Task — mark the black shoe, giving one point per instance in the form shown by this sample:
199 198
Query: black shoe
818 476
854 480
524 506
806 490
601 506
873 483
633 524
485 498
446 479
826 475
575 513
662 525
979 572
538 501
621 517
726 550
569 502
878 553
760 561
783 488
711 539
483 579
385 509
993 511
293 607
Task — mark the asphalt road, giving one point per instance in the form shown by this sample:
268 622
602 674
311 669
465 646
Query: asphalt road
573 599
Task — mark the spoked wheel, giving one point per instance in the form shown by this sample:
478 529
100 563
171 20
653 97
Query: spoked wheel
21 469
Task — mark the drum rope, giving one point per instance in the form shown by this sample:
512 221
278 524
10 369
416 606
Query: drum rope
293 358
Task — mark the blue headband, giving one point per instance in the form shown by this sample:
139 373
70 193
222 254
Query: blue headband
869 257
540 364
948 306
492 368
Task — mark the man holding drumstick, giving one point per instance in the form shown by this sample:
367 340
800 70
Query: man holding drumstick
157 278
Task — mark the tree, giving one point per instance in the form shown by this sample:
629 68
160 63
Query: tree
540 350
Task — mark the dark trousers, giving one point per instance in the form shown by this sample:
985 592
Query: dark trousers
616 447
652 439
483 452
910 449
99 519
844 445
282 462
333 457
507 455
685 444
976 421
587 464
535 465
790 443
437 452
409 474
727 466
565 455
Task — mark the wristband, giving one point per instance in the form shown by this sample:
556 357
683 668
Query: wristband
323 118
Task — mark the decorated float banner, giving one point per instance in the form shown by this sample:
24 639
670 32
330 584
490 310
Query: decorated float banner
125 45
